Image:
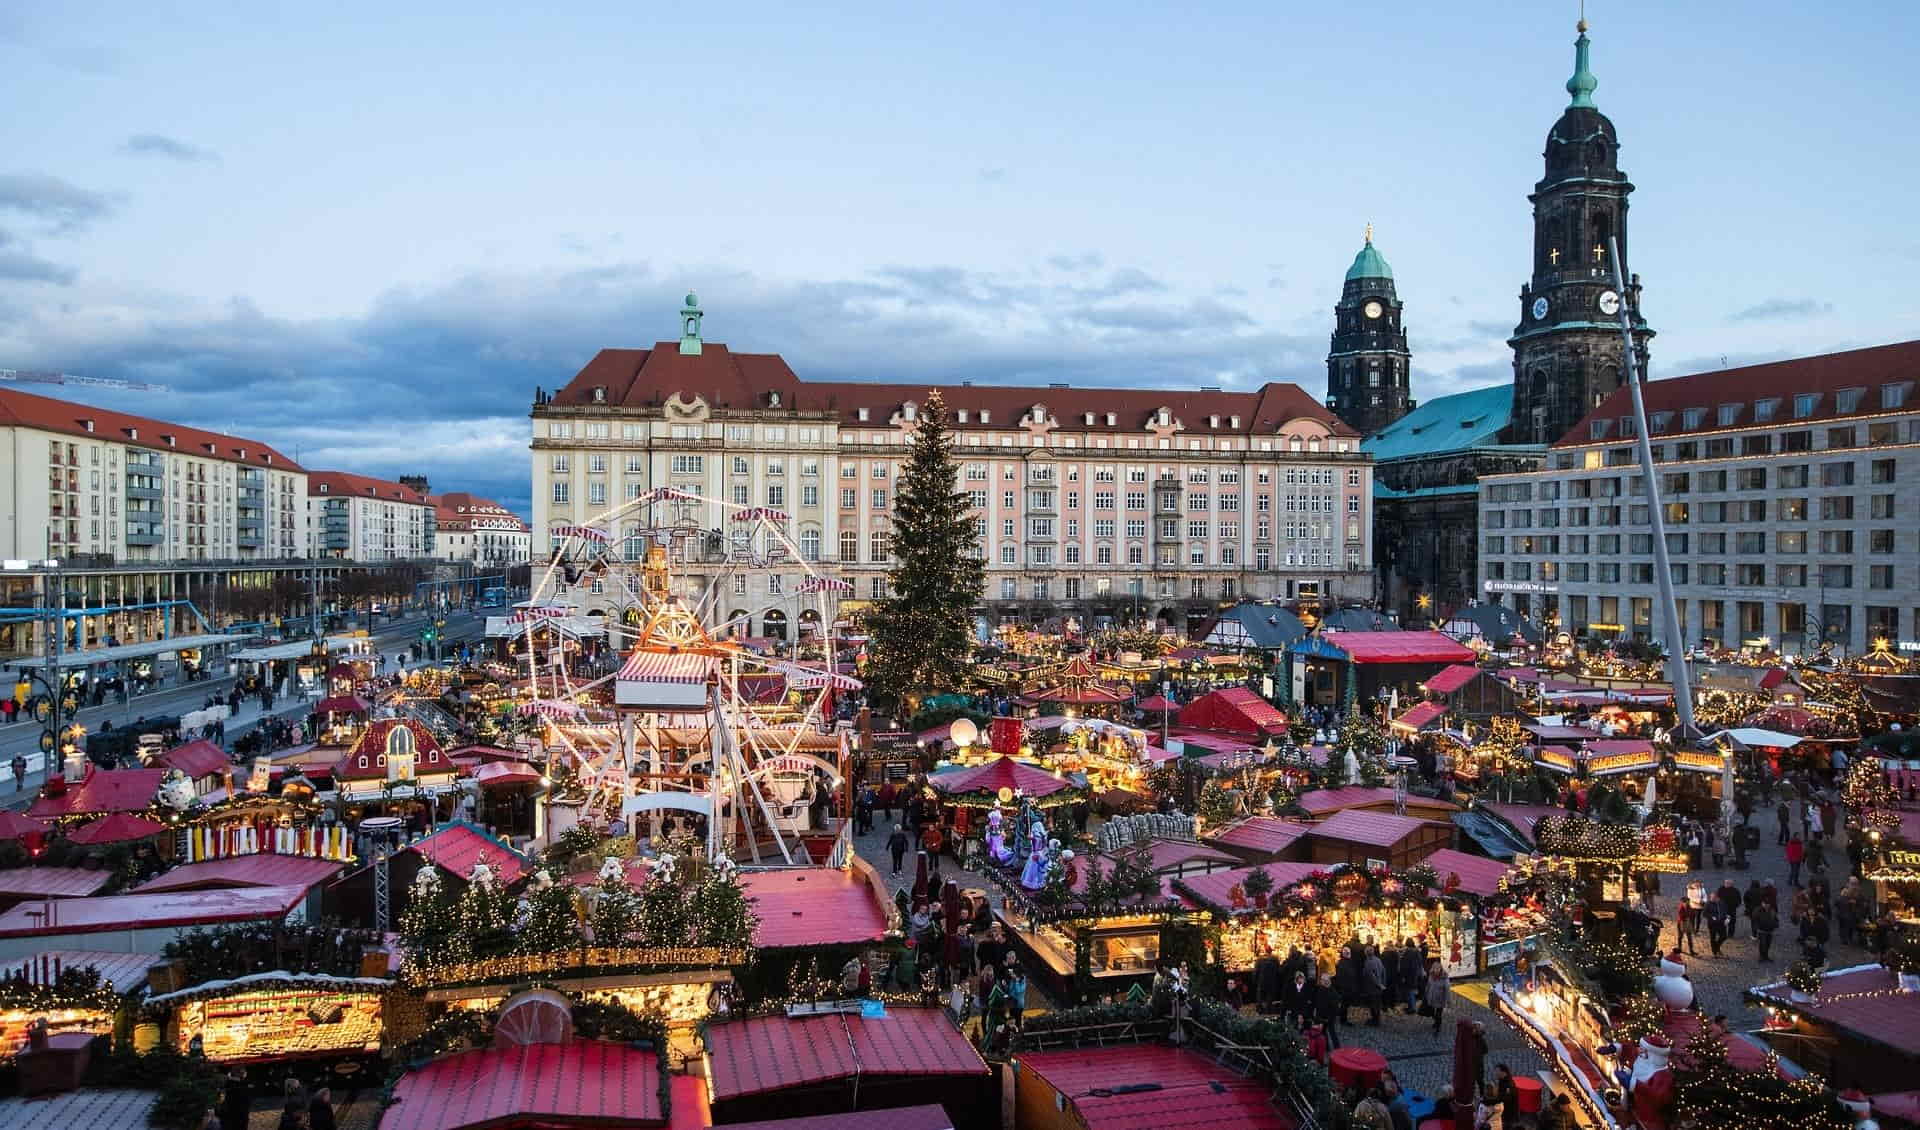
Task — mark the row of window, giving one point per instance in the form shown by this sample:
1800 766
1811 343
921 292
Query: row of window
1846 401
1797 508
1751 542
1829 575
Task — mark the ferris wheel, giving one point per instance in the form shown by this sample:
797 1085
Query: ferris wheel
697 719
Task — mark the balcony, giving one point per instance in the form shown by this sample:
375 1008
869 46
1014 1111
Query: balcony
148 463
140 534
250 541
136 490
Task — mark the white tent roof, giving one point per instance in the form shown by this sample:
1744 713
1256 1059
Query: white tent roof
1755 736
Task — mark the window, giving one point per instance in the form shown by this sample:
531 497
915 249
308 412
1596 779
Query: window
597 492
1728 415
1837 576
1763 410
1880 506
879 498
849 498
1836 474
878 547
1790 576
1197 553
1879 541
1847 400
1197 529
849 546
1136 500
1790 541
1009 555
810 495
1883 471
1836 508
810 545
1006 500
559 492
1836 541
1805 404
1848 436
1690 420
689 464
1007 590
776 494
561 465
1894 396
1136 527
1006 527
1136 555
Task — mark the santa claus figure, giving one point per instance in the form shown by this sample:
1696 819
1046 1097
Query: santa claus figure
1650 1090
1671 985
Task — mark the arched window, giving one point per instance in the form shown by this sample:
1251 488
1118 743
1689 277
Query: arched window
773 624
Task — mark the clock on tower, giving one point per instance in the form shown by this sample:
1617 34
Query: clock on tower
1367 366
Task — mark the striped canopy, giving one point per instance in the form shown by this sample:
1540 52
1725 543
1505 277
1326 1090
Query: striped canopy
666 667
584 533
550 708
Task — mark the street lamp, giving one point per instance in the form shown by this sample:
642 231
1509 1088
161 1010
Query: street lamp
53 607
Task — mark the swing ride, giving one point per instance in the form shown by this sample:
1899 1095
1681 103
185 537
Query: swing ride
695 722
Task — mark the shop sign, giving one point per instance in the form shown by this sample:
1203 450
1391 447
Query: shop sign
1904 858
1521 586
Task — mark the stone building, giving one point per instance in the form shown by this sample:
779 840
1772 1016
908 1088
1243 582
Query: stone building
1368 364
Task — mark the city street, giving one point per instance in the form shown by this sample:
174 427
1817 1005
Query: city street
23 737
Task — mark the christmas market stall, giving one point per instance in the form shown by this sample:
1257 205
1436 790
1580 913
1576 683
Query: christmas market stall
1470 692
1283 905
67 991
1261 839
1076 687
1376 840
274 1017
1109 755
1855 1027
290 823
1234 710
1334 668
453 849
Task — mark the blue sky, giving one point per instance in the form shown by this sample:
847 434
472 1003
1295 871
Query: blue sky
366 232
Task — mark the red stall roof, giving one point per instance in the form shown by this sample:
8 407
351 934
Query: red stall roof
772 1053
1451 679
1235 710
1860 1001
195 759
1559 733
123 971
14 826
495 774
1478 874
102 790
264 870
584 1083
1260 833
1322 802
1619 745
1522 817
1166 855
1421 715
1191 1090
1400 647
1214 889
458 846
1375 829
51 882
116 828
149 912
1001 772
930 1117
813 906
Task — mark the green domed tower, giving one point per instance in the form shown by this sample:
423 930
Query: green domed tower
1368 365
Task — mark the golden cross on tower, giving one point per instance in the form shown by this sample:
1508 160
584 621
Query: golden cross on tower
1369 231
1599 253
1554 256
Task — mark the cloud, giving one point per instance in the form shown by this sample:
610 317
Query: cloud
61 206
1782 310
993 175
438 379
17 264
160 145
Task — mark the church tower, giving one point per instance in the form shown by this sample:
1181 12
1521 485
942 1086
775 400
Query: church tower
1367 378
1566 349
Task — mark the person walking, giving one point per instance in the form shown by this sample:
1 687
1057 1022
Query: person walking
320 1110
1439 988
1374 980
1716 925
1765 920
1686 923
1784 815
1846 912
1729 896
897 848
1346 980
931 842
1796 854
1413 975
1327 1008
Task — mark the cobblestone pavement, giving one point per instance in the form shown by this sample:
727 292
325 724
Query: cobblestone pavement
1424 1063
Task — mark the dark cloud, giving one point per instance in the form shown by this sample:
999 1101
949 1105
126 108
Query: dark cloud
61 206
1782 310
19 266
438 380
160 145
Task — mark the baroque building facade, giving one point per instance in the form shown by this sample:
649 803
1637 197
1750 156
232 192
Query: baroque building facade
1091 503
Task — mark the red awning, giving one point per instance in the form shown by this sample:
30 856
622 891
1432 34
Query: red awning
1158 704
1400 647
1000 773
498 774
342 704
1421 715
1451 679
1235 710
666 667
116 828
195 759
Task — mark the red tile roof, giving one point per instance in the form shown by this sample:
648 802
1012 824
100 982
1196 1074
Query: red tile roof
52 882
813 906
1559 733
929 1117
116 828
1451 679
584 1083
456 847
346 484
195 759
637 378
1522 817
1825 374
1375 829
1192 1091
1166 855
264 870
494 774
1260 833
1478 874
23 409
102 790
146 912
1879 1014
772 1053
1400 647
371 748
458 510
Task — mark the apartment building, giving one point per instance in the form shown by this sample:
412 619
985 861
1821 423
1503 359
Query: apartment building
88 482
478 530
1789 493
1087 501
368 520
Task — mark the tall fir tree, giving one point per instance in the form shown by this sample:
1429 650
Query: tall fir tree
919 637
551 925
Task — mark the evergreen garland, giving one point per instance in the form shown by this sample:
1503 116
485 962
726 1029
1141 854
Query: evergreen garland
551 923
920 637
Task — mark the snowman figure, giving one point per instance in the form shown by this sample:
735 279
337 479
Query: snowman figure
1671 985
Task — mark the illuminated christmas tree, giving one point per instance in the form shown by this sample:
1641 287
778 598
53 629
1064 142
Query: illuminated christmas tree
551 923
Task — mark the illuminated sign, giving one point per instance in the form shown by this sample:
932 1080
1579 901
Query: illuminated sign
1606 628
1520 586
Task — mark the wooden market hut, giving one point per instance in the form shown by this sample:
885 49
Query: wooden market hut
1261 839
1234 710
1859 1030
1321 804
454 849
1360 838
1135 1086
1330 668
26 884
1471 692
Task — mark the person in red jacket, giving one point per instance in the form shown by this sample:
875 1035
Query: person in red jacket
1796 854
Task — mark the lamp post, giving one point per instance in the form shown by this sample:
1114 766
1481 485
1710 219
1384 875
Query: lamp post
53 606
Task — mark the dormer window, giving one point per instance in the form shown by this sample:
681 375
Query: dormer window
1600 428
1087 419
773 400
1660 422
1213 421
907 410
1848 400
87 424
1763 410
861 415
962 415
1729 415
1692 418
1111 419
133 433
1626 426
1891 396
1233 421
172 441
986 417
1805 405
1164 417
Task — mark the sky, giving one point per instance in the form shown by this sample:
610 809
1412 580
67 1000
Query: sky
366 232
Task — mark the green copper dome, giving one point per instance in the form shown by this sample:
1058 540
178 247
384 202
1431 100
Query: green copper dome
1369 264
1582 84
